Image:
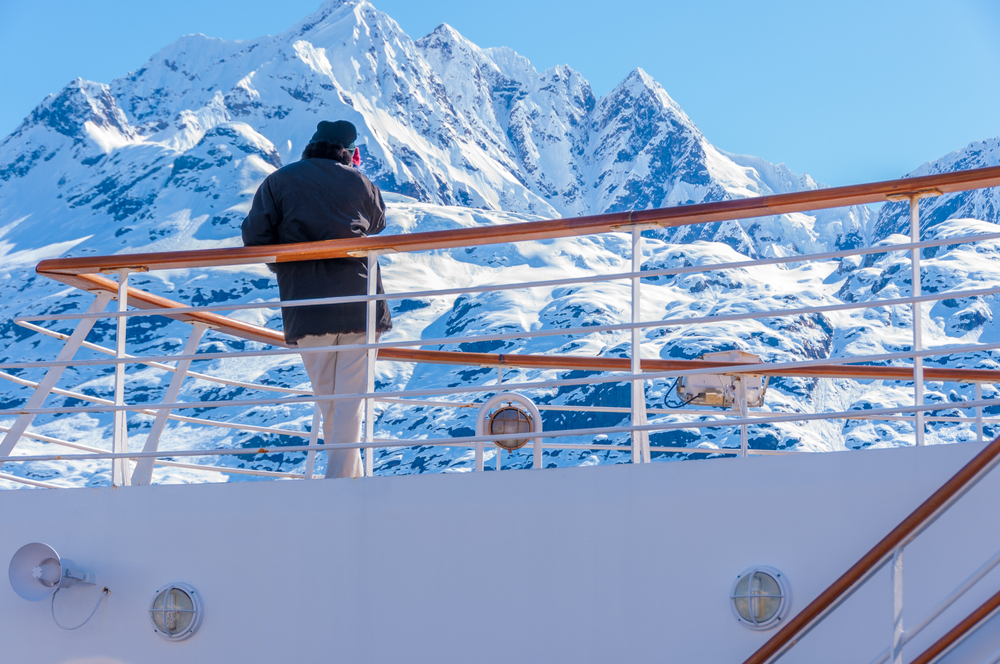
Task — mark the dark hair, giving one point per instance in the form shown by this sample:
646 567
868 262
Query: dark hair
324 150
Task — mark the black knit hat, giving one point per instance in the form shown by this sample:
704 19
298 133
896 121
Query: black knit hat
341 131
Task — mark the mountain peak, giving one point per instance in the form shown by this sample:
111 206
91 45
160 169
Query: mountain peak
440 119
446 31
79 103
329 14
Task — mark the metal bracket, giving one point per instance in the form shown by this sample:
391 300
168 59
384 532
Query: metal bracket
914 195
130 268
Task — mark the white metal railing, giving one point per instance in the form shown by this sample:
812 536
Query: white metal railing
546 283
638 429
905 636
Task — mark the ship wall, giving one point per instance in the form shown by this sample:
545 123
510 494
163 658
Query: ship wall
627 563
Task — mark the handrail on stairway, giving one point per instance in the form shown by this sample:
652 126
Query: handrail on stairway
918 520
956 634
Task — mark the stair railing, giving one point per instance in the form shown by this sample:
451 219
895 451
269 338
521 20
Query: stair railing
890 548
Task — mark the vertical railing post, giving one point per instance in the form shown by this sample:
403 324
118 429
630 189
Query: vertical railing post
918 320
120 474
52 376
499 389
640 439
896 573
143 473
979 413
741 391
313 439
480 460
370 338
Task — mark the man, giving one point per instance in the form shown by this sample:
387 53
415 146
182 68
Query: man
323 197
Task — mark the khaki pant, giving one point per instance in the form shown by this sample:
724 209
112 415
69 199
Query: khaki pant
338 373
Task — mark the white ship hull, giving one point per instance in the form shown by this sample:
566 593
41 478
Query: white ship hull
628 563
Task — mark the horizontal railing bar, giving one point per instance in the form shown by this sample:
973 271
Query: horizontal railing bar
735 368
295 433
425 443
267 336
158 462
165 367
460 441
229 471
575 409
148 411
720 412
24 480
55 441
64 269
619 327
549 283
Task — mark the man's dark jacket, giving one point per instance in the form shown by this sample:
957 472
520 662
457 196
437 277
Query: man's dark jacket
309 201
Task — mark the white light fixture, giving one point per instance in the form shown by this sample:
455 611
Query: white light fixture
488 424
176 611
761 597
36 572
722 390
510 419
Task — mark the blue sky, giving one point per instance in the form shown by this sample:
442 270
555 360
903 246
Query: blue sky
848 91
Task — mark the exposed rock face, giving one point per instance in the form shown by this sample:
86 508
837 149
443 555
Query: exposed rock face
978 204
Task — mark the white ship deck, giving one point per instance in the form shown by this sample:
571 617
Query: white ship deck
629 563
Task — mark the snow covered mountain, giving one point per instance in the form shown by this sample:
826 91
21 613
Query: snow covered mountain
168 157
978 204
440 120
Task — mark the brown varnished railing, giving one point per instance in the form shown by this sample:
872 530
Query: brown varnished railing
83 272
744 208
955 635
143 300
851 580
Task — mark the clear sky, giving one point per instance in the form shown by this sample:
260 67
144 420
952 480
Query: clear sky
846 90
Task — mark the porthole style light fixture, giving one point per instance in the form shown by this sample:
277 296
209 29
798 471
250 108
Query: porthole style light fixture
176 611
510 419
761 598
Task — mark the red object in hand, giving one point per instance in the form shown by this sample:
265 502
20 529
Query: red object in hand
356 159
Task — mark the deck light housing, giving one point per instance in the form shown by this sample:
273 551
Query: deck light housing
761 597
176 611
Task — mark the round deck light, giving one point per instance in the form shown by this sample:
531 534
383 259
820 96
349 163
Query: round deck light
760 597
176 611
510 419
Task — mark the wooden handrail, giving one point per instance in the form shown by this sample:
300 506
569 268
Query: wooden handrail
851 580
143 300
959 631
685 215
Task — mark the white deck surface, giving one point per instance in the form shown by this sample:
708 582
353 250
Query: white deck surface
602 564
